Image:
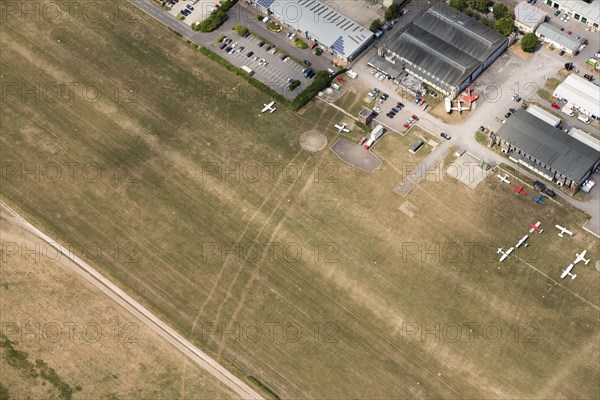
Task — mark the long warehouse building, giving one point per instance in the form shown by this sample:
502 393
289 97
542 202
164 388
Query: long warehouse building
580 94
547 150
318 21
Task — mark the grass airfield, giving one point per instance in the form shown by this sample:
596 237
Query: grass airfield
288 267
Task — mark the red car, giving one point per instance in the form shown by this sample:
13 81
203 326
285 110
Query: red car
556 106
339 78
415 118
406 126
569 32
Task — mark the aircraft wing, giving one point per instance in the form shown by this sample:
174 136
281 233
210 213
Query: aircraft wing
265 108
566 271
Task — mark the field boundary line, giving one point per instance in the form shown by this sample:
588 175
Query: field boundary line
143 314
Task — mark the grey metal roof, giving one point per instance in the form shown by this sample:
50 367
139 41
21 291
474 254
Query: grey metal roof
548 145
446 43
321 22
554 33
529 14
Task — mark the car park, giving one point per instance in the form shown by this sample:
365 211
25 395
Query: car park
445 136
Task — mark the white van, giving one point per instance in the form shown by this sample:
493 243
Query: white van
584 118
352 74
568 111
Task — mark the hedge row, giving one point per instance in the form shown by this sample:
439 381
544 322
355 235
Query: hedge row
216 18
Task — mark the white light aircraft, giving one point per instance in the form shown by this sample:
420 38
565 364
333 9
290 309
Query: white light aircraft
581 257
342 128
269 107
520 242
503 178
505 254
563 231
567 271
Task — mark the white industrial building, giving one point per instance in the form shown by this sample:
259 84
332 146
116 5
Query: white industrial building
544 115
318 21
588 13
553 35
580 95
528 16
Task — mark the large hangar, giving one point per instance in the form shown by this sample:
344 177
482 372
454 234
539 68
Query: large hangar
444 48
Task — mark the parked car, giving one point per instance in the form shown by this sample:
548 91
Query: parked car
445 136
306 62
576 53
555 106
549 192
268 48
240 49
250 54
512 110
246 35
415 118
189 7
561 53
537 185
508 114
261 44
395 110
400 105
556 13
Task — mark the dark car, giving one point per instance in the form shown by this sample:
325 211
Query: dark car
246 34
556 13
537 185
392 112
268 48
415 118
549 192
228 49
576 53
562 53
189 7
250 54
512 110
400 105
508 114
306 62
445 135
384 96
261 44
395 110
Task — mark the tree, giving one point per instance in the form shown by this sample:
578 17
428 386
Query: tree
479 5
500 11
392 12
375 25
505 26
529 42
458 4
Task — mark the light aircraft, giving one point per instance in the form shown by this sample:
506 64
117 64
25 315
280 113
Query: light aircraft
503 178
520 190
581 257
342 128
269 107
567 271
523 239
536 227
505 254
563 231
539 199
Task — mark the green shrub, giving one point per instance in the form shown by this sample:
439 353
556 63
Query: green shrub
294 85
240 30
317 51
273 27
375 25
299 43
460 5
500 11
392 12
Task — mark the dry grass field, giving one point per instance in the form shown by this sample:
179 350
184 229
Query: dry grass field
96 348
287 266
